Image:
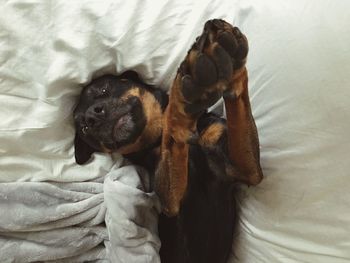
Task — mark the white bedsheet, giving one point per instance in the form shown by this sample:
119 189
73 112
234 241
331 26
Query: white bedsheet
299 64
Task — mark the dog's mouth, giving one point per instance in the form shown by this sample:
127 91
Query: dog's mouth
119 126
129 125
123 120
122 127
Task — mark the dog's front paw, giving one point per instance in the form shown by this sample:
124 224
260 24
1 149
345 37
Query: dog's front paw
218 54
208 72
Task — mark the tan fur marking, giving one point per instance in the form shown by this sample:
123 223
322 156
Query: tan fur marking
243 141
132 92
153 114
211 135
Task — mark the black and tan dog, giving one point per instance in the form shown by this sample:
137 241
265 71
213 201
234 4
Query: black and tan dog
198 158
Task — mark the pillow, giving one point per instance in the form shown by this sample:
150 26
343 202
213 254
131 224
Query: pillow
299 64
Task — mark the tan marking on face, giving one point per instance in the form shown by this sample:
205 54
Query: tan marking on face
132 92
153 114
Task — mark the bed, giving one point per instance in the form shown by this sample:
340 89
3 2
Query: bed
53 210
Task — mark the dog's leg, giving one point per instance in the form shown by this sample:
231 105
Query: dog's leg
213 67
242 136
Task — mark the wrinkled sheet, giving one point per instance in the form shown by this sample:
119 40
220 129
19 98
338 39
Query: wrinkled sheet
299 64
110 219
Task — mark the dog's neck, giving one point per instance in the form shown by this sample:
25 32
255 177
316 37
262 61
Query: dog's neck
147 157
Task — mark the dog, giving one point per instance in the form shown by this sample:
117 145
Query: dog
198 159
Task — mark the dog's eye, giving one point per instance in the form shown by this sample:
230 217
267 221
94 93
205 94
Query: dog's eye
103 92
85 129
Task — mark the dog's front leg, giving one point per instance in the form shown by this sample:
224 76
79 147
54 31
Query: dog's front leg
172 172
214 67
242 136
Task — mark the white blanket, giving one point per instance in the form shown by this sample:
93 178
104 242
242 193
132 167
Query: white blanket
64 222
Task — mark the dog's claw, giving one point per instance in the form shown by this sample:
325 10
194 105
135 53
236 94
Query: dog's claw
201 41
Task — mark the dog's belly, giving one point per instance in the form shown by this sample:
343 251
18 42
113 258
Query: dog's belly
204 229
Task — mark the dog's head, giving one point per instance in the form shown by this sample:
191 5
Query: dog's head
117 114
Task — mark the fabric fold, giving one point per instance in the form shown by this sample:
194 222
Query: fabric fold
132 228
110 219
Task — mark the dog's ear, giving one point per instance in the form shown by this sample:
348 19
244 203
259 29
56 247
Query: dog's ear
82 150
243 141
131 75
161 96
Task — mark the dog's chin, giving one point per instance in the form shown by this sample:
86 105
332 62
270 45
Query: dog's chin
123 134
123 128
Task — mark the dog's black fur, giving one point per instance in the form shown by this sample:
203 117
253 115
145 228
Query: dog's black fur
123 114
205 227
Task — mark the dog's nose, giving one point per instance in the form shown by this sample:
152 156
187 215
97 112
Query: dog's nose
95 115
99 110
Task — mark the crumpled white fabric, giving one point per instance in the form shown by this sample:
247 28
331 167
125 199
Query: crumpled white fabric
64 222
133 227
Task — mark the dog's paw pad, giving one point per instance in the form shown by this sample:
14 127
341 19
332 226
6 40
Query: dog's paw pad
204 70
228 41
211 63
223 62
229 38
